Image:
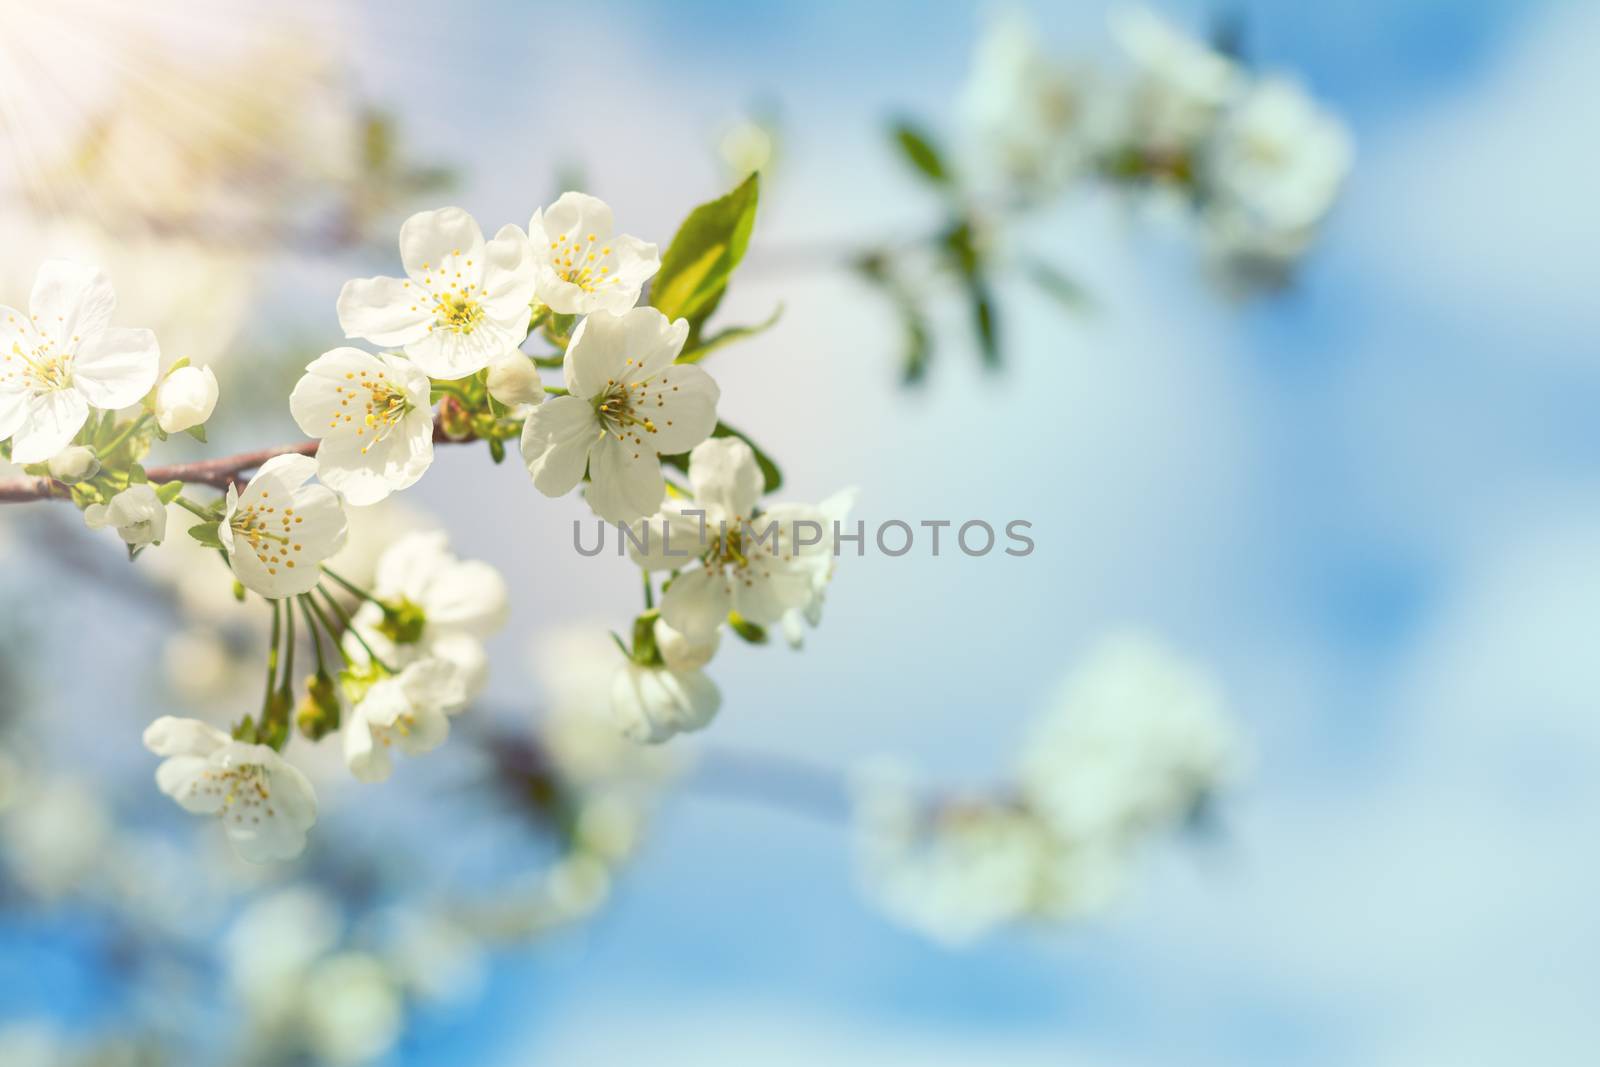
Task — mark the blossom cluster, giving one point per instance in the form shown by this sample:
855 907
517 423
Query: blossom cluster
396 656
1255 157
1136 744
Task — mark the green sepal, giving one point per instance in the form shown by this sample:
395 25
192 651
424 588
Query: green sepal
497 450
197 432
747 630
206 534
645 653
169 492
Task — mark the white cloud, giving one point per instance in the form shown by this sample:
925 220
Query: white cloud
1484 205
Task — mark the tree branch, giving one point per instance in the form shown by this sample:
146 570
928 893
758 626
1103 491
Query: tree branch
217 473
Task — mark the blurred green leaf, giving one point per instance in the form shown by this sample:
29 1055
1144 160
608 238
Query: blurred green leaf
729 336
918 348
1064 289
920 152
968 261
703 254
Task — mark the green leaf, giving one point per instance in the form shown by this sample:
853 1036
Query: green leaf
918 348
920 152
206 534
707 247
1053 283
772 477
169 492
964 255
729 336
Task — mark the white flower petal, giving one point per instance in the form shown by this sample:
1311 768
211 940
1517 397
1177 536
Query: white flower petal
70 300
688 412
624 484
438 244
116 367
172 736
697 602
723 471
386 311
556 440
508 277
51 421
595 355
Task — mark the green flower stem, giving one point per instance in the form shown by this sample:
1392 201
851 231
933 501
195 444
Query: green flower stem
313 632
286 686
128 431
649 592
272 658
354 589
194 509
310 601
350 628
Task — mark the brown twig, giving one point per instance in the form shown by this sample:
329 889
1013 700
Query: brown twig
217 473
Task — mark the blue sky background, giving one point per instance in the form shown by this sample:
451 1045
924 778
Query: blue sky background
1370 504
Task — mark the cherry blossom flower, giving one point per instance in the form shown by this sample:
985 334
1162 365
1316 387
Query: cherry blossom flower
651 704
266 805
463 303
406 710
732 560
375 417
1137 740
628 404
137 513
438 607
278 531
73 464
580 267
64 358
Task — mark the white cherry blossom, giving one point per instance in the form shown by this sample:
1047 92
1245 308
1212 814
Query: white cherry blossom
444 608
64 357
681 653
580 267
833 510
463 303
278 531
651 704
1137 739
266 805
1181 83
1276 167
137 513
405 711
731 559
374 415
628 404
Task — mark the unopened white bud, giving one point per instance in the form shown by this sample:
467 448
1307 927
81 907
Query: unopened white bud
73 464
186 399
136 512
681 654
514 379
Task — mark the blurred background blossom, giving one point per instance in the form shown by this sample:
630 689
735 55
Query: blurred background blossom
1280 747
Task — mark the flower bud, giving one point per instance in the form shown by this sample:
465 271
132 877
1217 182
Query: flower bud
319 711
136 512
513 379
681 654
454 419
185 399
74 464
